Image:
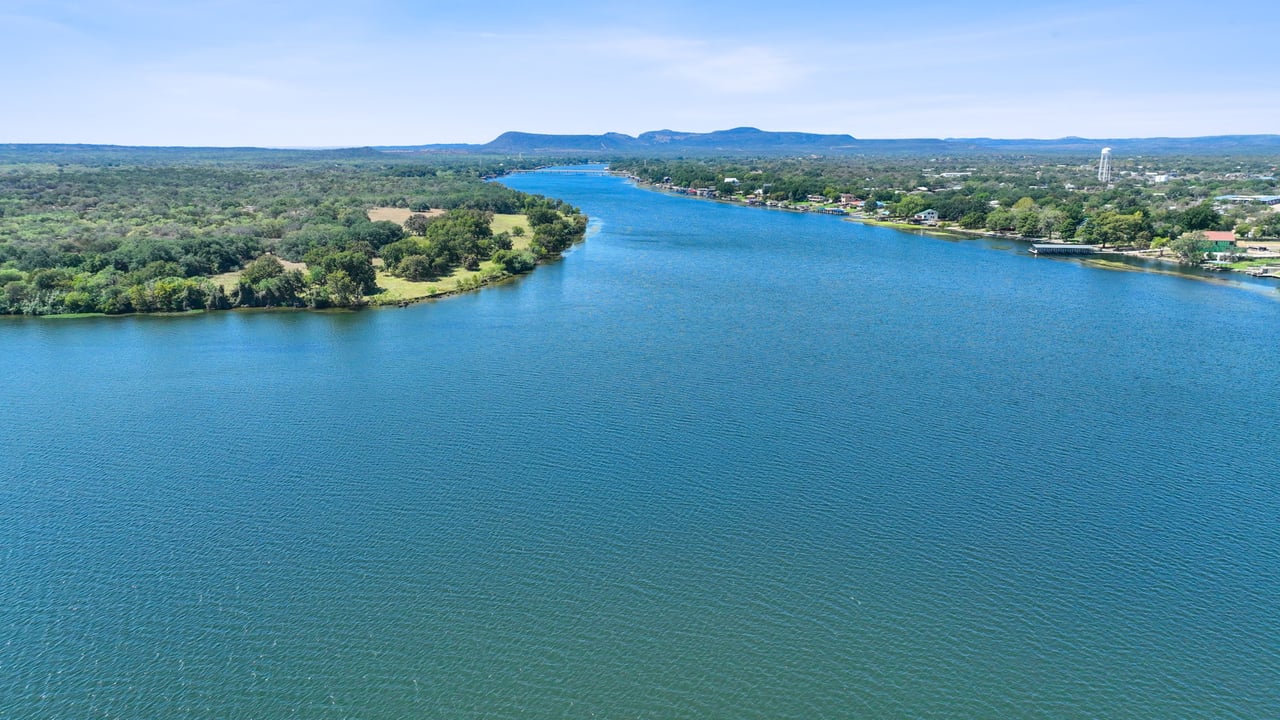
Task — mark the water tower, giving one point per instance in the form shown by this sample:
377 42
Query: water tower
1104 166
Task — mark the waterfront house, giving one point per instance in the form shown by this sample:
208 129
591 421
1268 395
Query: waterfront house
928 217
1220 240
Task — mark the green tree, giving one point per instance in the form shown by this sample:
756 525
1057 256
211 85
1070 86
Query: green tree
345 290
417 224
910 205
1113 228
415 267
1027 223
1270 225
1201 217
1001 219
357 266
267 266
1190 246
515 262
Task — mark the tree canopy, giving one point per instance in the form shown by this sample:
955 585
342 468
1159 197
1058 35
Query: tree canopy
144 231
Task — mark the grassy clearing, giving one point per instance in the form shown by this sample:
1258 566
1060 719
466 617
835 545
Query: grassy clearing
398 215
506 223
397 290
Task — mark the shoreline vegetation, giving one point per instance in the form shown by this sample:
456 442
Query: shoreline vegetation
1215 214
127 234
1267 269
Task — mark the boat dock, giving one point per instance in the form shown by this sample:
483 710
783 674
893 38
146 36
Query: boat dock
1063 249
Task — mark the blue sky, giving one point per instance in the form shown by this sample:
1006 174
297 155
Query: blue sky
320 73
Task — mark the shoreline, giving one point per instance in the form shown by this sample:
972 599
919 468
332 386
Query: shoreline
396 303
386 298
1221 276
390 303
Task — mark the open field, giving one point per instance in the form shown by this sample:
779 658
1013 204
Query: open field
506 223
398 215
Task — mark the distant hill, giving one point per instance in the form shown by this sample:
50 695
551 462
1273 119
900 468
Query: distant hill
752 141
744 141
738 141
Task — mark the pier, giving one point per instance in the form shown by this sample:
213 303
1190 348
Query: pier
1063 249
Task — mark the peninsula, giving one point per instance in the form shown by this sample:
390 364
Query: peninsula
107 230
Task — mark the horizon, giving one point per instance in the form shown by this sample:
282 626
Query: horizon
372 146
321 75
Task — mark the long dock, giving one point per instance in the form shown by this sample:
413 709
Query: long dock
1063 249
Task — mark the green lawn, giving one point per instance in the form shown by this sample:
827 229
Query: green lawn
1254 263
505 223
395 289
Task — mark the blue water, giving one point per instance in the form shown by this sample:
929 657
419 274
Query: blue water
716 463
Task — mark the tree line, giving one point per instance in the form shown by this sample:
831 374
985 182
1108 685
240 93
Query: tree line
110 232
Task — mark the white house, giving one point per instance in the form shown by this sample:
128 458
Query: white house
929 216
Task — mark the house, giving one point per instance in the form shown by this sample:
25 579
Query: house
1220 240
731 181
928 217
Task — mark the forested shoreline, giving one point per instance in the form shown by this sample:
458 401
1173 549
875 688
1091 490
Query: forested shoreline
122 230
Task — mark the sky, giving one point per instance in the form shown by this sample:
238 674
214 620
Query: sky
397 72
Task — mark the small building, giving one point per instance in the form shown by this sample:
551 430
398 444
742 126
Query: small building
1220 240
731 181
1243 199
928 217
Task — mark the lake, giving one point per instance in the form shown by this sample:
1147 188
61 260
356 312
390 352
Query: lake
718 462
